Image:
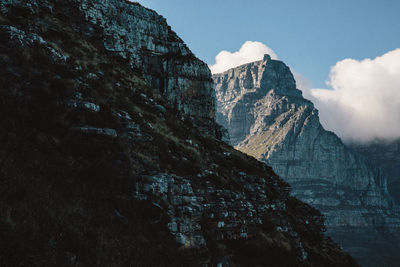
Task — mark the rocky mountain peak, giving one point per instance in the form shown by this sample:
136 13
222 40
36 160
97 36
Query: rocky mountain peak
262 76
266 57
267 118
111 156
253 82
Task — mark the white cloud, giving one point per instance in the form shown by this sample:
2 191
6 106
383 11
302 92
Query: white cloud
249 52
302 83
365 101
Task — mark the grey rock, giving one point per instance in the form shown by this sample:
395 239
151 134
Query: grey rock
267 117
94 130
161 108
22 40
193 212
385 155
92 76
89 106
144 38
122 115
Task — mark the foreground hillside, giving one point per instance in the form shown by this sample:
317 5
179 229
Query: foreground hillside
111 155
268 118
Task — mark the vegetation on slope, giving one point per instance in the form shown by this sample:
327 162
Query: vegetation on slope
66 195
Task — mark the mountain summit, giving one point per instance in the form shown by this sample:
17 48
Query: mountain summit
267 118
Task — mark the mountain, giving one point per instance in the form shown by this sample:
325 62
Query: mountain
384 155
267 118
111 155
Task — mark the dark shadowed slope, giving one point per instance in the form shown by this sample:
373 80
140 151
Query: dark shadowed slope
111 156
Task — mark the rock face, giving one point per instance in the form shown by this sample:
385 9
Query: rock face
267 118
111 155
384 155
144 38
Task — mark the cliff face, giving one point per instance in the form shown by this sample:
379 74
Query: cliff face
384 155
267 118
111 156
144 38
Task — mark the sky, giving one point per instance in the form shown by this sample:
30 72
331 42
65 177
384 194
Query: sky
313 37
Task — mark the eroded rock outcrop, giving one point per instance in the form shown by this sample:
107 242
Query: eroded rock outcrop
144 38
111 155
267 117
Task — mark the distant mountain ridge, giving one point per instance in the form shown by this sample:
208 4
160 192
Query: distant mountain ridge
267 118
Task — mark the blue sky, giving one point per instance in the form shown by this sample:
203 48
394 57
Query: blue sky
309 35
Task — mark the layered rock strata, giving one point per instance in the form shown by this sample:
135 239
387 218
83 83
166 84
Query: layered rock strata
110 155
145 40
267 118
385 155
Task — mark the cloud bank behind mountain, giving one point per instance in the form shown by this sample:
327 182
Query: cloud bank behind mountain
364 103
